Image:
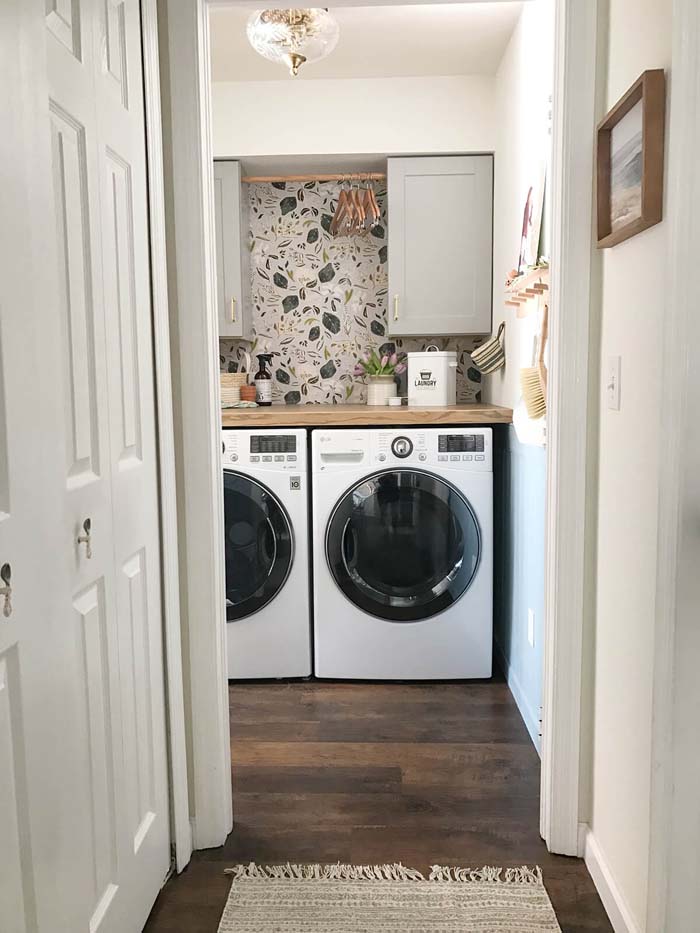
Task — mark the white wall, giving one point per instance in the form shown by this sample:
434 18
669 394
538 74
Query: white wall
523 88
382 115
522 92
630 446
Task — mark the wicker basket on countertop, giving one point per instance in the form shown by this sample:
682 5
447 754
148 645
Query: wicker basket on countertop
231 387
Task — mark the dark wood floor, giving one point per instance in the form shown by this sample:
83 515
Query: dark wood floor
373 773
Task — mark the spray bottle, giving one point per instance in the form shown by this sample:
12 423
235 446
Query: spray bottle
263 380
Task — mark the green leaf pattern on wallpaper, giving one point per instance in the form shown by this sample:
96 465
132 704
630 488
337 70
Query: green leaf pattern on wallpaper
319 302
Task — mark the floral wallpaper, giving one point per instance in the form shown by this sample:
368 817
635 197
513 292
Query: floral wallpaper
320 301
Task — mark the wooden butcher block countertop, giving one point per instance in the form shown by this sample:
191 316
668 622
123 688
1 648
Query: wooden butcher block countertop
281 416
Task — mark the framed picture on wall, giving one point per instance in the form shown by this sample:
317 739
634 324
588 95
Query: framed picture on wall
630 161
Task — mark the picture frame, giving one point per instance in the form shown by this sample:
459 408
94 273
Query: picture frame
630 161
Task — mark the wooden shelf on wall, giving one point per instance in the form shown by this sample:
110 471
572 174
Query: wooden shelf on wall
526 287
319 415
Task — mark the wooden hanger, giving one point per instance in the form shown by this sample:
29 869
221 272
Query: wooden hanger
342 209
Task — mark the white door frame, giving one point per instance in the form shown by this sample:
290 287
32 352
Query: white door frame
571 427
674 862
194 344
195 349
179 795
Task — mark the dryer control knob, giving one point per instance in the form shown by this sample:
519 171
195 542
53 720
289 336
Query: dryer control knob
422 456
234 457
401 447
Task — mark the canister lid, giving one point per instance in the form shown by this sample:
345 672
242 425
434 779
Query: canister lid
433 354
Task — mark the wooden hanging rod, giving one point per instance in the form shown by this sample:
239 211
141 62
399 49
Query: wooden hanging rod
346 176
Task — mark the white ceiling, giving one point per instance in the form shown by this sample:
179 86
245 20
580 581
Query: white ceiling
378 42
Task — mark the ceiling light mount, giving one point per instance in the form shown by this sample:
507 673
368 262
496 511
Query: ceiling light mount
293 37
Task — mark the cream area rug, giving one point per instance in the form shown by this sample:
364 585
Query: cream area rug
386 899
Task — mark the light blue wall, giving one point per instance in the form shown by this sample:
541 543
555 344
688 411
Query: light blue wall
519 507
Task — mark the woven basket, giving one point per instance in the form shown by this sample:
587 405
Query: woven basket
491 356
231 387
233 380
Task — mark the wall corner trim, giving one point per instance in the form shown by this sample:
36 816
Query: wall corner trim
613 900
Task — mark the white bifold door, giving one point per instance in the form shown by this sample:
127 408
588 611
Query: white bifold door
84 823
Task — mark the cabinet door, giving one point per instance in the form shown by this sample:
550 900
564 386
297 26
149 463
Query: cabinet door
230 243
440 245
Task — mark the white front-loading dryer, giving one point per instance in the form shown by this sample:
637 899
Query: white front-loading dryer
403 553
266 522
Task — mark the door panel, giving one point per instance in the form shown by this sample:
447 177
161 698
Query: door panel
139 723
91 623
75 295
120 296
33 860
17 896
133 454
114 56
63 21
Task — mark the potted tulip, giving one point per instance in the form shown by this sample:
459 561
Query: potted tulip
380 372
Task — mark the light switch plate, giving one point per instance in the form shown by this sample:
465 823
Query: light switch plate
612 383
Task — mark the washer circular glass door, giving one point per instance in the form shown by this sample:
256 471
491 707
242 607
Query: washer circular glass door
403 545
259 545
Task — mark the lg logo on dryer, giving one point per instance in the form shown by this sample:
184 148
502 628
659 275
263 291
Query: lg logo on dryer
295 483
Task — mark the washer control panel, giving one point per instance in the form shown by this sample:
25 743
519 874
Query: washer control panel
276 450
451 448
436 449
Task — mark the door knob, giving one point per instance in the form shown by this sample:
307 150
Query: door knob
86 538
6 590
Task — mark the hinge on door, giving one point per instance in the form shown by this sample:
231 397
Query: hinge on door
541 717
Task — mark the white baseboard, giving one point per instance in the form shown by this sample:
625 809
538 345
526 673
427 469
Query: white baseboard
613 901
529 717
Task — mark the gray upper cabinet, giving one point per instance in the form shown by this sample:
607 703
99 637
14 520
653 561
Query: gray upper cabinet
440 245
232 262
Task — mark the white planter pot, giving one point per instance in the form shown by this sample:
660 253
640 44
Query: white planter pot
380 389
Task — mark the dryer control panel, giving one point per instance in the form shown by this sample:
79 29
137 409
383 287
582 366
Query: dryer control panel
455 448
275 450
437 449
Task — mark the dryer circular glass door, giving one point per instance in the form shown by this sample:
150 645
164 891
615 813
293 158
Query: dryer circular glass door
403 545
259 545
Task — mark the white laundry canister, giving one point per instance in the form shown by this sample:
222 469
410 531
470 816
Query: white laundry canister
432 377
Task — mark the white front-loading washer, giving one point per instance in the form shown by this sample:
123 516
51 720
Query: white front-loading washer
403 553
268 624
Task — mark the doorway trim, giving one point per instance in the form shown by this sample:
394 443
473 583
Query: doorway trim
673 900
570 427
181 831
189 200
191 249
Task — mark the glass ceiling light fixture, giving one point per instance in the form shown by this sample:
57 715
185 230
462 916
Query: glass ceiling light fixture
293 37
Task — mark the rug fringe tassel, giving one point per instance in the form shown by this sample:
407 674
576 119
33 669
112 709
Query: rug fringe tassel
395 872
522 875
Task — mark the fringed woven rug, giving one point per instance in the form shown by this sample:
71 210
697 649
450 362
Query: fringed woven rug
386 899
